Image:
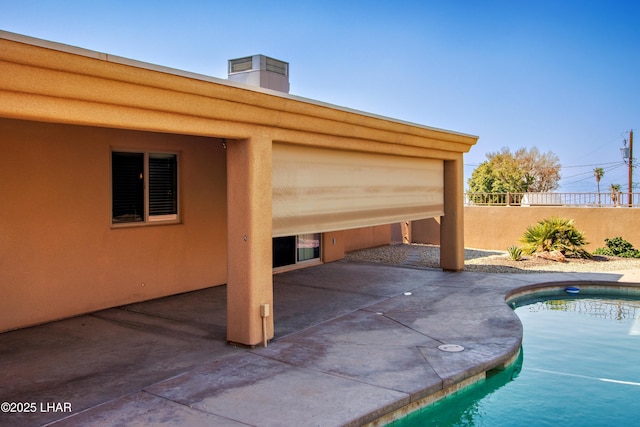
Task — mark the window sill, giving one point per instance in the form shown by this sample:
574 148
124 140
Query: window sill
151 223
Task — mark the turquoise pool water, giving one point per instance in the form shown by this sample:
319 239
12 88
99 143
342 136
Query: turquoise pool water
579 366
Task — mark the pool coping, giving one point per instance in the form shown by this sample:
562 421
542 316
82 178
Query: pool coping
596 288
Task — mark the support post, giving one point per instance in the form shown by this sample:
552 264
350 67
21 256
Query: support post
452 223
249 245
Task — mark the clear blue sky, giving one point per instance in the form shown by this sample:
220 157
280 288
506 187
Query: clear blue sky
563 76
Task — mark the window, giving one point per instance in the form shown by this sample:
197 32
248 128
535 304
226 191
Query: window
144 187
308 247
163 186
284 251
292 250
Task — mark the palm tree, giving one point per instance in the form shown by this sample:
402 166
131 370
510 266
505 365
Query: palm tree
615 189
598 173
555 234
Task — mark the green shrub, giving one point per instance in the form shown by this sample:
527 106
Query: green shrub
515 253
555 234
619 247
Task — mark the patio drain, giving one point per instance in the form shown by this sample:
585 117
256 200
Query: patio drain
451 348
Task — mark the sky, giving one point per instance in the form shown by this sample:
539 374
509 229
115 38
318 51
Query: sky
561 76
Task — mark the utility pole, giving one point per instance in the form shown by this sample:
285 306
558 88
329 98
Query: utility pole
631 168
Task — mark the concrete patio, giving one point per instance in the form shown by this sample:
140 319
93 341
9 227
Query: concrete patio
354 342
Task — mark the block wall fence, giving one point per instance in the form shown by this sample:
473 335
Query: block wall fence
498 227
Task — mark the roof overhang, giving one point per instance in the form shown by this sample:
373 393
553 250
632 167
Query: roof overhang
52 82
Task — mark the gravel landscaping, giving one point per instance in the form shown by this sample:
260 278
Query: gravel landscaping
485 261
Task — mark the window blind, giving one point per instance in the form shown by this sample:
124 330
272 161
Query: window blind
163 184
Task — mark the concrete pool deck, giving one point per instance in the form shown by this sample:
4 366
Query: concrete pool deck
354 343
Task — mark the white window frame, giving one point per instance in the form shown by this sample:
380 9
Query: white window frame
301 263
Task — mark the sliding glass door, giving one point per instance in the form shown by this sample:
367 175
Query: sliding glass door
291 250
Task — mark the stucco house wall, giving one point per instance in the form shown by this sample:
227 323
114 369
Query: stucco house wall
367 237
63 110
59 253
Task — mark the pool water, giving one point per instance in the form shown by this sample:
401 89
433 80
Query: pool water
579 366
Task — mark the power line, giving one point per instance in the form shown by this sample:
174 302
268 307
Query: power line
564 167
622 135
590 175
604 145
588 166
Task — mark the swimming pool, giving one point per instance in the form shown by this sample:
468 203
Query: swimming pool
579 366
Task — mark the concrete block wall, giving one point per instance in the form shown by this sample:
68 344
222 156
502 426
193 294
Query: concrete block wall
498 227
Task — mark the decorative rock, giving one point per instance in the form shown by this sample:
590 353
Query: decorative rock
488 261
553 256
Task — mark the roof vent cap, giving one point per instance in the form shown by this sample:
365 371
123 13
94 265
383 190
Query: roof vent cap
260 70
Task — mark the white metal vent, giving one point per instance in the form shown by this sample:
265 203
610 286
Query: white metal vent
261 71
276 66
240 64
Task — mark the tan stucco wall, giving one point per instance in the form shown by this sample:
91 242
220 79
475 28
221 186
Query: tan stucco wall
500 227
333 246
48 82
427 231
367 237
59 254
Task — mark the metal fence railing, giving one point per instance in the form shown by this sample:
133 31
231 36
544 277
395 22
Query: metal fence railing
603 199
